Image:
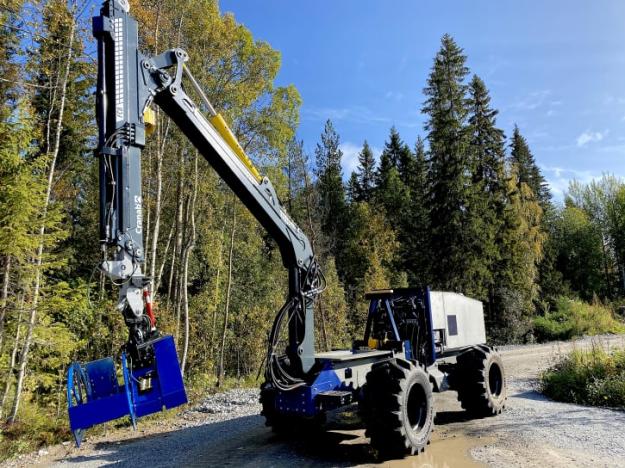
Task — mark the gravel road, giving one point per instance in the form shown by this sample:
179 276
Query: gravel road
227 430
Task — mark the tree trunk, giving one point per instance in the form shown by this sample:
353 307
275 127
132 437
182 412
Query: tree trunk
179 236
3 298
220 376
13 358
608 282
38 261
324 334
187 254
157 204
216 295
159 276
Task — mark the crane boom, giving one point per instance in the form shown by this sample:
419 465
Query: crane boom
128 83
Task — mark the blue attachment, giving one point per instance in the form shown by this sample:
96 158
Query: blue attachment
94 395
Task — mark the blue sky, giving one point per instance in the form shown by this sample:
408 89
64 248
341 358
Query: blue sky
557 69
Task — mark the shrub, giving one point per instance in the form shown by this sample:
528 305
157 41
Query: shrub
594 377
576 318
35 428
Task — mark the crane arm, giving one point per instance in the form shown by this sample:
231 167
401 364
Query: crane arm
129 82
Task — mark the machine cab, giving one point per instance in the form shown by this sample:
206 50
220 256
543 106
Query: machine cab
400 319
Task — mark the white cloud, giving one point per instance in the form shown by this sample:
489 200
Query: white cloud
559 179
533 100
356 114
394 95
591 137
349 161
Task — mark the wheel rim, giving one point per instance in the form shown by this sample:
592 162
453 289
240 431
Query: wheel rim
417 408
495 380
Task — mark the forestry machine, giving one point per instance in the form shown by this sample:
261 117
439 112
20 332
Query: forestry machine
416 341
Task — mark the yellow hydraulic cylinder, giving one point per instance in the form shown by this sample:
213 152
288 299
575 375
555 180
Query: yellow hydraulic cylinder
149 120
222 127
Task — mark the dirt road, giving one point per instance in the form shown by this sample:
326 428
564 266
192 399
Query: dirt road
227 431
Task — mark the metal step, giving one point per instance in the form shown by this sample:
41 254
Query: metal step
333 399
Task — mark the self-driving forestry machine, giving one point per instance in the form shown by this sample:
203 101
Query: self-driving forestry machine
416 341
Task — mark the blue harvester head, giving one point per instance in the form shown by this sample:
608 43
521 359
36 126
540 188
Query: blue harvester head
95 396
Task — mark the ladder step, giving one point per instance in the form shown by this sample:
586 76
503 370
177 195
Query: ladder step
332 399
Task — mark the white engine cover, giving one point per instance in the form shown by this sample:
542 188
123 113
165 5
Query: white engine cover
461 317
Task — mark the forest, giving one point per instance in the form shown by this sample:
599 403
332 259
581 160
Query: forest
459 206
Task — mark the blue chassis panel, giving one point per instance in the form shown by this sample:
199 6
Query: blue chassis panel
302 401
104 399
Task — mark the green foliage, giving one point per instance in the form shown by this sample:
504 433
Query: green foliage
594 377
603 203
580 252
521 240
573 318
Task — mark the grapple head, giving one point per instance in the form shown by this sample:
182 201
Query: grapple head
95 396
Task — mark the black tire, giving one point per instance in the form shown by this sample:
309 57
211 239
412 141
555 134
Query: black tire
480 381
397 408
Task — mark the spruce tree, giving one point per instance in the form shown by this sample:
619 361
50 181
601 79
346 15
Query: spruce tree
353 189
529 172
366 175
9 67
446 109
487 153
391 191
395 153
332 204
415 226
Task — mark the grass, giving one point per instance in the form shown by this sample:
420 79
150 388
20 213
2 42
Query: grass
574 318
594 377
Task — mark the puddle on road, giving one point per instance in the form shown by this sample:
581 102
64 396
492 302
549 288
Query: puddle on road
448 452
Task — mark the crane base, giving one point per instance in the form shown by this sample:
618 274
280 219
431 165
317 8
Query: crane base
95 396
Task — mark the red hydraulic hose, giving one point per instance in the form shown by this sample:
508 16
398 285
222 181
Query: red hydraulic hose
148 307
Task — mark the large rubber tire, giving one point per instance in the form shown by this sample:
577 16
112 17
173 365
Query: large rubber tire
398 408
480 381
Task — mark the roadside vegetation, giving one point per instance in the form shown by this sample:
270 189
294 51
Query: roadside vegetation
593 377
458 205
574 318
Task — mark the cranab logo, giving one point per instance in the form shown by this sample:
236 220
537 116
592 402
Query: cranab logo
139 212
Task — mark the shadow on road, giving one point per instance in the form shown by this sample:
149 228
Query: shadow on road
238 442
244 441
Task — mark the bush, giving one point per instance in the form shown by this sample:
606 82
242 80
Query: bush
593 377
34 429
576 318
